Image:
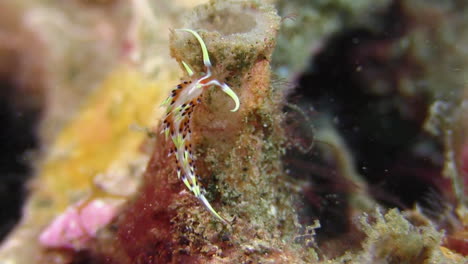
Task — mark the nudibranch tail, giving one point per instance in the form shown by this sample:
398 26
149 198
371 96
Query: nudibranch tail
210 209
177 124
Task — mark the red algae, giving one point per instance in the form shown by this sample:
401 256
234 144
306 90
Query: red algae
457 244
145 232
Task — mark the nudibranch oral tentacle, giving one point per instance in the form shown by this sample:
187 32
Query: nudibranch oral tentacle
177 124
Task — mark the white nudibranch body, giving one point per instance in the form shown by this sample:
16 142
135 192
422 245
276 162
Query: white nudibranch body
177 124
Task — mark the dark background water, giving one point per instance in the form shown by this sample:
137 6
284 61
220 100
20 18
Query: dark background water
17 141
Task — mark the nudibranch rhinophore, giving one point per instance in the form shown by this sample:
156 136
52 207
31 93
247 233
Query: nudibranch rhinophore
177 123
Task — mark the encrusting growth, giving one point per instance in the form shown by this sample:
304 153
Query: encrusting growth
177 123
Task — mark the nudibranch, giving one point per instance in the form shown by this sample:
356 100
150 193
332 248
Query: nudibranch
177 124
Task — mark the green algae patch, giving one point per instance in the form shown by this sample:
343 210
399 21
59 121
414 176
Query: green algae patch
392 237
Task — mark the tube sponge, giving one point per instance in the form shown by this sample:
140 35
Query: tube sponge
237 33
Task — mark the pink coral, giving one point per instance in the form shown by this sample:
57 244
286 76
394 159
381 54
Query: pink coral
75 227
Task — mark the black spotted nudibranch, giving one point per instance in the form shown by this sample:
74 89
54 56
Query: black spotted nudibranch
177 123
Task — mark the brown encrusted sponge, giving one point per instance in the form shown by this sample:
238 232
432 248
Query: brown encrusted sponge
237 155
